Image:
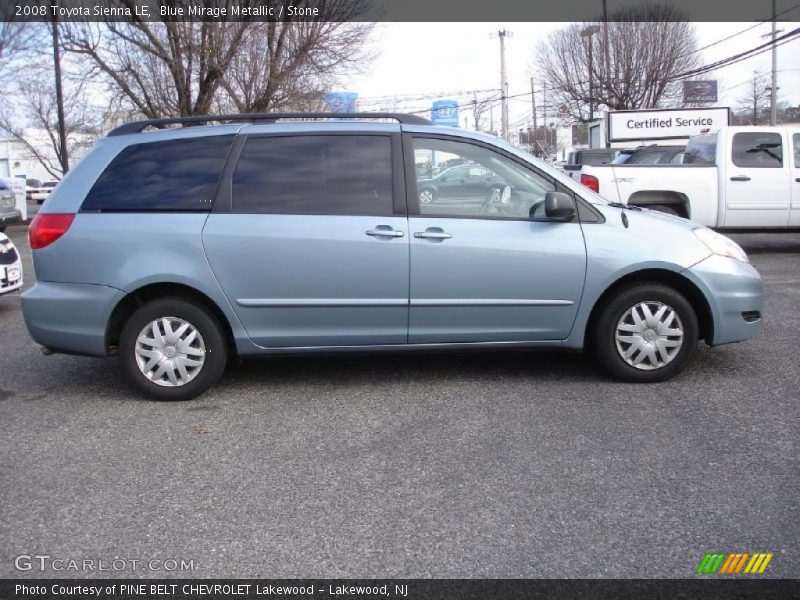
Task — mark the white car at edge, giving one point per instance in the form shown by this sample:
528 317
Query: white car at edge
10 266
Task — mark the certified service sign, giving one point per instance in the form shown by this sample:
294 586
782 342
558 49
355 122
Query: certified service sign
635 125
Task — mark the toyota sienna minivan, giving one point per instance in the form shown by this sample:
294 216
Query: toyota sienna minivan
179 247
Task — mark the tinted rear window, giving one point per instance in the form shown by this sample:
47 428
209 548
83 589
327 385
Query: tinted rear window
315 175
600 158
175 175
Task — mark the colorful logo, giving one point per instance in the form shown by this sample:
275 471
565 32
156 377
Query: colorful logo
733 564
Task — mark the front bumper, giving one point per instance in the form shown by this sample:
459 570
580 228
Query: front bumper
9 215
70 317
735 294
8 285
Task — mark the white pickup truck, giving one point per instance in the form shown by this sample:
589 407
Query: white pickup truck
737 178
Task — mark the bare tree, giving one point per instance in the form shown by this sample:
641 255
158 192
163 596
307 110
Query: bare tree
159 68
185 67
649 46
753 103
31 119
290 65
18 41
479 108
28 112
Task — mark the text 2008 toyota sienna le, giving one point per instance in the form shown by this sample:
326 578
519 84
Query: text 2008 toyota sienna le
179 248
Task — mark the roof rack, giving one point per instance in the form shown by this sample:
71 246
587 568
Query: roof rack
139 126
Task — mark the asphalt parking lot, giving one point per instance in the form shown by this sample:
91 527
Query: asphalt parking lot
436 465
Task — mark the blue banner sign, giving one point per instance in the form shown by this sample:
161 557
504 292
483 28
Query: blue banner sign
341 101
445 112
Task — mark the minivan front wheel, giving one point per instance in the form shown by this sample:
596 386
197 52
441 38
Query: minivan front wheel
172 349
646 333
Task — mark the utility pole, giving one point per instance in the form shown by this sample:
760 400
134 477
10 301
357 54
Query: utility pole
533 106
544 115
606 51
62 127
773 99
588 32
503 34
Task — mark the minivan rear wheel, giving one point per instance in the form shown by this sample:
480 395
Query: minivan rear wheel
172 349
645 333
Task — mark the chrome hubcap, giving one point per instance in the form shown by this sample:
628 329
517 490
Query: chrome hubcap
649 335
170 351
426 197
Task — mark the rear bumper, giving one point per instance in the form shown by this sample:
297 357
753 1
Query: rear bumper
70 317
735 294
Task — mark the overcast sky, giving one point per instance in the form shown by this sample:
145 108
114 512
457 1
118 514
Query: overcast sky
440 59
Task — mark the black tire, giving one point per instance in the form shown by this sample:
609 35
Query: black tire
604 330
215 347
2 228
664 208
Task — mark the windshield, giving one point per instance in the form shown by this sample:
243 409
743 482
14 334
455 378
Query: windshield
701 150
622 158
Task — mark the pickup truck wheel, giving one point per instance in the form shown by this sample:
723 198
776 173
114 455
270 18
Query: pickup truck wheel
664 208
172 349
646 332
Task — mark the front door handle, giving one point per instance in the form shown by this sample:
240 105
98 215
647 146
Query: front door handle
740 178
432 235
384 231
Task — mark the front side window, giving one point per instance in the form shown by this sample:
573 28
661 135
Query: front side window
175 175
315 175
486 184
757 150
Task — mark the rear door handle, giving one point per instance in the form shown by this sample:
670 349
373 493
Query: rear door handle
740 178
433 235
384 231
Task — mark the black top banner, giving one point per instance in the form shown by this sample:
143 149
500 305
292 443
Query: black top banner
405 589
383 10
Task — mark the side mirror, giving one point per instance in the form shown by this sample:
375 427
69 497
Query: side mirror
559 207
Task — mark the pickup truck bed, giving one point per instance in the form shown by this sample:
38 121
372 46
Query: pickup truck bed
739 178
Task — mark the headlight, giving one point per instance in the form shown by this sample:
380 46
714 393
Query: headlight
719 244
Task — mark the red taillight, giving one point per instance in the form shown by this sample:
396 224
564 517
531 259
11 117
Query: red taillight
47 228
590 181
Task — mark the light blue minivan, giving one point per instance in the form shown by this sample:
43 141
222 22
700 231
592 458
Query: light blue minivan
179 247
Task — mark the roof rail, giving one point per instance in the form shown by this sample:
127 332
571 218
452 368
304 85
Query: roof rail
139 126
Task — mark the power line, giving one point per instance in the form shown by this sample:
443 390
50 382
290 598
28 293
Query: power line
722 63
738 33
